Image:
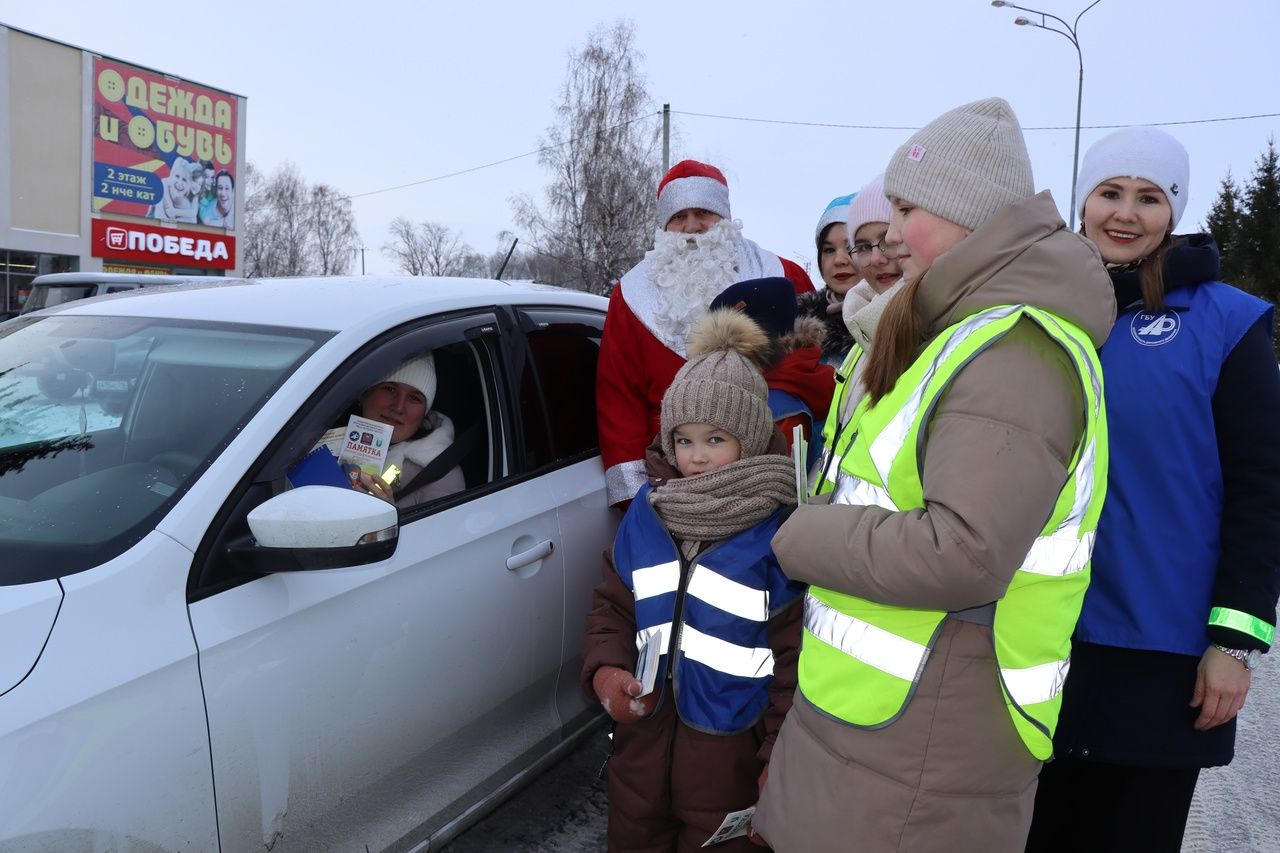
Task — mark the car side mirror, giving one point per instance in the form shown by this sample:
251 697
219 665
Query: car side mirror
323 527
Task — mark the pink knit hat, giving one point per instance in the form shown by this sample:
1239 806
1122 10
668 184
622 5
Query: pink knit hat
870 205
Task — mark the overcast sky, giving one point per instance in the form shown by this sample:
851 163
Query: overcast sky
371 95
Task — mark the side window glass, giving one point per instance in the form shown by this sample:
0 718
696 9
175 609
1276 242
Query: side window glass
448 449
557 394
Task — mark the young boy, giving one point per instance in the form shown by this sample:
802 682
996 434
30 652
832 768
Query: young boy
692 569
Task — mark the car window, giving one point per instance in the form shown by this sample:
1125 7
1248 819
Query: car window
104 421
468 367
557 394
48 295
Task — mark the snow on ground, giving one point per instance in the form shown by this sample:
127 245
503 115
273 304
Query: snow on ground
1237 807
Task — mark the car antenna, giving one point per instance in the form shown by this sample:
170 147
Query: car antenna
502 268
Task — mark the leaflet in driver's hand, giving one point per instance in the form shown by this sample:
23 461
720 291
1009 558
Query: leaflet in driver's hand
364 447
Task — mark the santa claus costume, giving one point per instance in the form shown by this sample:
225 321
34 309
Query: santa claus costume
654 307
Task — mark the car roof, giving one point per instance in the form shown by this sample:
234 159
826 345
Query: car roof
72 279
330 303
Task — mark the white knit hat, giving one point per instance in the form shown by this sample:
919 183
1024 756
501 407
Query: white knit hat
964 165
420 373
871 205
1137 152
692 184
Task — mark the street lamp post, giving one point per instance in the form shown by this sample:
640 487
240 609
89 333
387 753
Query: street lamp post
1068 32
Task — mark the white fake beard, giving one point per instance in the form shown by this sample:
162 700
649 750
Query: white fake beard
690 270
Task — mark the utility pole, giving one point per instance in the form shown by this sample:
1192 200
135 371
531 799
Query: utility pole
666 138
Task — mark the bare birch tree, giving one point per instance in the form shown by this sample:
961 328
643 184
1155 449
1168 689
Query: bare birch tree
333 230
602 152
429 248
293 228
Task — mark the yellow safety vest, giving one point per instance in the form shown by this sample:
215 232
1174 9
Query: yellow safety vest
860 659
823 476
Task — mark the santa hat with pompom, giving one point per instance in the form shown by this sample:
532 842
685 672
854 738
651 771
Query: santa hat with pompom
692 184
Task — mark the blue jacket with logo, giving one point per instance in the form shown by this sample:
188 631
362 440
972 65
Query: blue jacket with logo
1160 563
714 611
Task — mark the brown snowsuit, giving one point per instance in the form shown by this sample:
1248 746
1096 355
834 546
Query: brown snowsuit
951 774
670 785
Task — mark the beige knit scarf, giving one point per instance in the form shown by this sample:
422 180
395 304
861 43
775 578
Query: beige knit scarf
717 505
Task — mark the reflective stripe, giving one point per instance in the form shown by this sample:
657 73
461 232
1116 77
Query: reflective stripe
855 491
1084 484
884 449
725 657
656 580
1035 684
622 481
643 635
1061 553
1094 379
729 595
877 647
1245 623
831 465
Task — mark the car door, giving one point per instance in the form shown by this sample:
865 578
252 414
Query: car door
371 704
559 429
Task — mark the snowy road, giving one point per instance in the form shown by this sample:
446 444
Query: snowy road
1237 808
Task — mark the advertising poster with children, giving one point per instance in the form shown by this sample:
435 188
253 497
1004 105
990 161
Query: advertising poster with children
162 148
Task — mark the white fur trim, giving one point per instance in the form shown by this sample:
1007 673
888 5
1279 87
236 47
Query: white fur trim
694 191
421 451
647 300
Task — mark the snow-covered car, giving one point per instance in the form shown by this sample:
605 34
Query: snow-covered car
195 655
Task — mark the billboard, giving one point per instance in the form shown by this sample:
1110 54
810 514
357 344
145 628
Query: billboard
162 148
135 241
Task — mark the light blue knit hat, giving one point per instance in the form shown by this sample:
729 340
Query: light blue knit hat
837 211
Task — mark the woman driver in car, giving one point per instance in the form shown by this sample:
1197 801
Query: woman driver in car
418 435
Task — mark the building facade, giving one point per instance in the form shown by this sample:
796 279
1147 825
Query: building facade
108 166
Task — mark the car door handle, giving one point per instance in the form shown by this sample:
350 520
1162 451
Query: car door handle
533 555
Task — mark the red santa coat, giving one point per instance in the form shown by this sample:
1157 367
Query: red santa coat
634 371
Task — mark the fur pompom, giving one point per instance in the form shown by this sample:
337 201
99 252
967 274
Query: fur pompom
727 329
808 332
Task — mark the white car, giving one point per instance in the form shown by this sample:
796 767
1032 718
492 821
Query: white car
195 656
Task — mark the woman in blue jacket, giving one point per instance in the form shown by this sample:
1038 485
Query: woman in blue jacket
1187 560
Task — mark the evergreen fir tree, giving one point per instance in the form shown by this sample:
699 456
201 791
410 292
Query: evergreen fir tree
1260 231
1260 226
1224 223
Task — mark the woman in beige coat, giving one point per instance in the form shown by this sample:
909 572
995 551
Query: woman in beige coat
949 771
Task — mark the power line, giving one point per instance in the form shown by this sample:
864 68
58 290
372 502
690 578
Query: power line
905 127
431 180
758 120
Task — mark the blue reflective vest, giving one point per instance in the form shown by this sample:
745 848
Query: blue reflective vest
713 613
1158 545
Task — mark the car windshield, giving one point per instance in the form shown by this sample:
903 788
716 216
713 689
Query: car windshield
105 421
48 295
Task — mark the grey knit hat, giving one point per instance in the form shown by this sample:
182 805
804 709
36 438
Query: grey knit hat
964 165
721 384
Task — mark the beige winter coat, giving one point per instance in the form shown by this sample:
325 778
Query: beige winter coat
951 774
